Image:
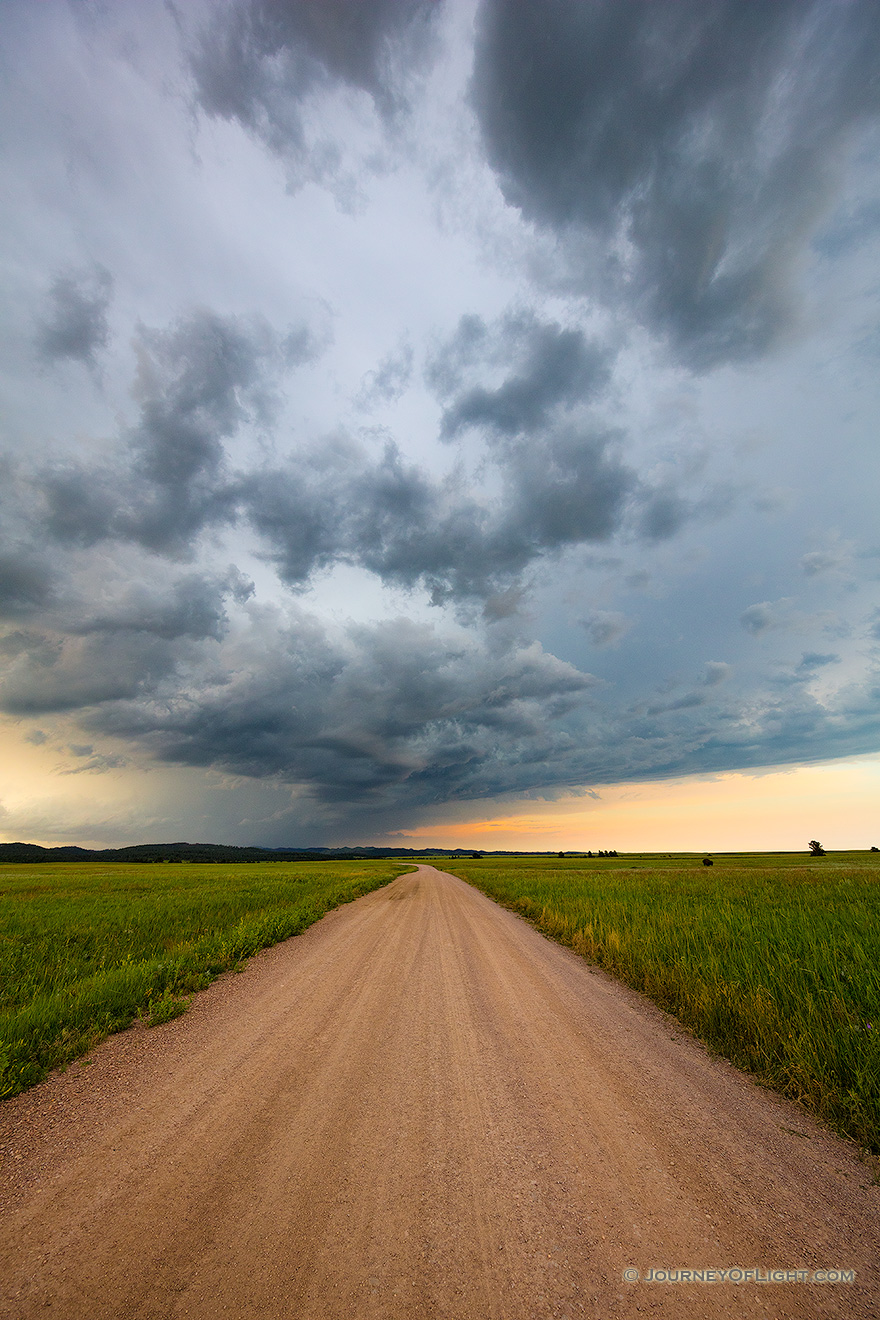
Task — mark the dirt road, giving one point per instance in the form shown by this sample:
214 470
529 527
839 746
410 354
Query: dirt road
420 1108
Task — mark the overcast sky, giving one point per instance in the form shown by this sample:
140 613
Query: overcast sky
410 407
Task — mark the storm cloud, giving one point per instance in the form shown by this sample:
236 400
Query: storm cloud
554 368
388 710
198 383
203 381
264 63
25 581
683 151
74 323
339 503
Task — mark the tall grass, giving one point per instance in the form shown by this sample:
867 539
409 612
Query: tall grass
85 949
773 961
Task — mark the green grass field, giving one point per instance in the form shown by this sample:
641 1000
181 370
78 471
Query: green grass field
773 961
85 949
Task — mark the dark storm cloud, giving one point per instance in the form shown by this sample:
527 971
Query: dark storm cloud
697 734
69 673
257 61
693 143
392 710
412 531
40 648
81 502
198 383
151 632
664 513
571 488
193 607
75 321
553 368
300 510
202 381
561 478
394 716
338 503
560 481
26 581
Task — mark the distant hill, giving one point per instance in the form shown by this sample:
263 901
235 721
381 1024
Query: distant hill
214 852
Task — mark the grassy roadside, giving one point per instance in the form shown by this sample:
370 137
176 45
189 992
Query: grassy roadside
773 961
85 949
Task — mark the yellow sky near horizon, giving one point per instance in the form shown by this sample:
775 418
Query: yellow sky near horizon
776 809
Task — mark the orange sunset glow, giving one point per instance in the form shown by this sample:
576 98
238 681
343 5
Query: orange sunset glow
778 809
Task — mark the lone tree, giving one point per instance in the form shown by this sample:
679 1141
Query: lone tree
816 848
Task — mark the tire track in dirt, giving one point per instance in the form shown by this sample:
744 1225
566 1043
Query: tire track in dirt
420 1108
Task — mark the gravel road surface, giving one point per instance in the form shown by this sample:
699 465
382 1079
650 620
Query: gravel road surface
421 1108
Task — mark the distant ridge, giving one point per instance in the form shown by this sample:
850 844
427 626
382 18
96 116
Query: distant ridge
219 852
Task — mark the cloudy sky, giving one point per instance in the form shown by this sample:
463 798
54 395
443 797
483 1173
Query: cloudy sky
440 422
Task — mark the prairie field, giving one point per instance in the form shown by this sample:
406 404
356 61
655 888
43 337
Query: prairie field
87 948
772 960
